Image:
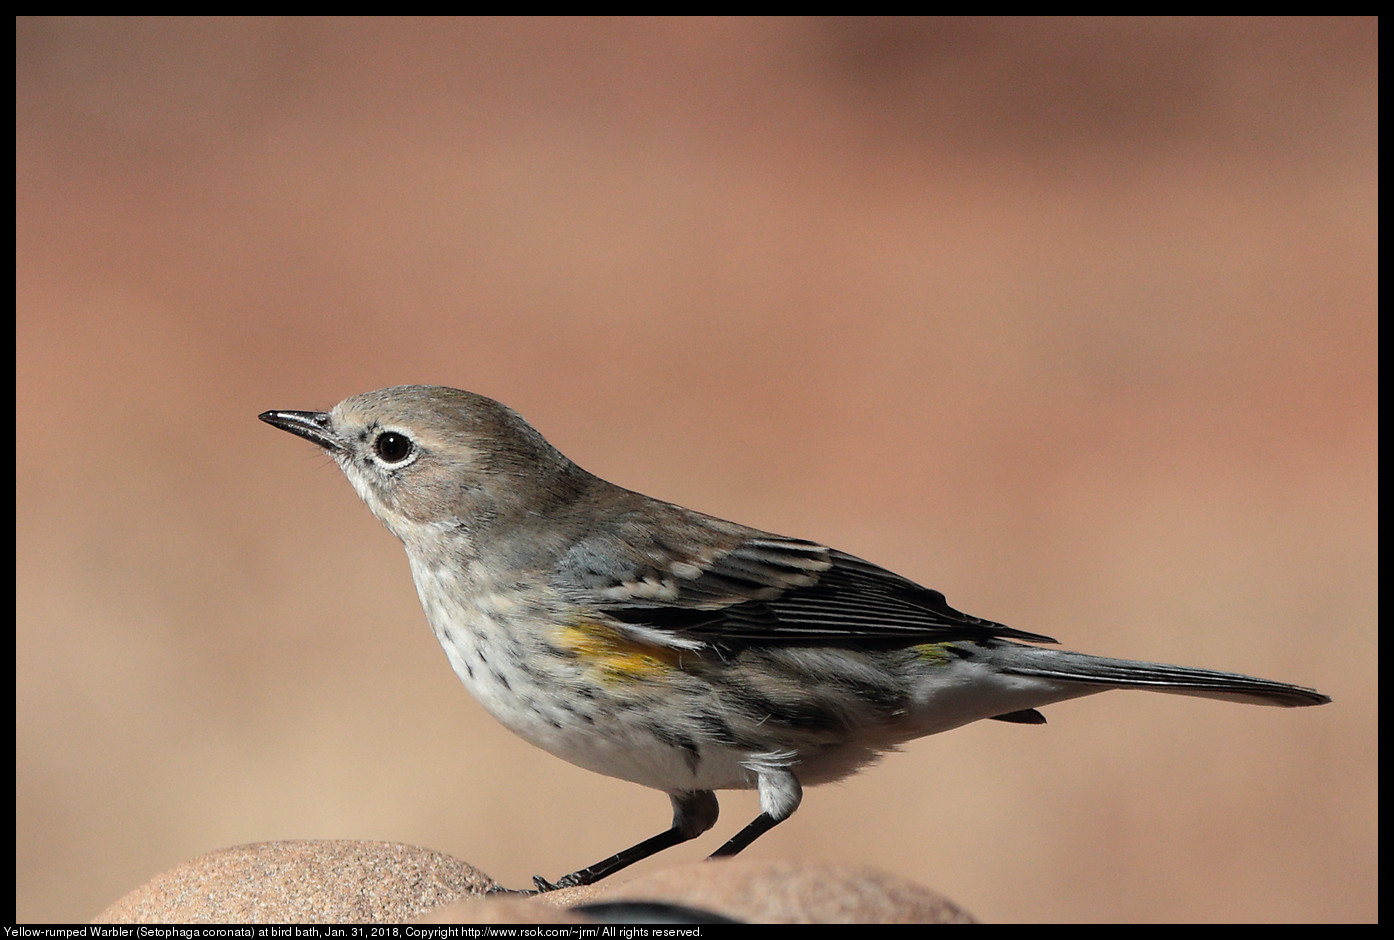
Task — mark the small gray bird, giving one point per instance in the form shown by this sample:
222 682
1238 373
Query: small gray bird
673 649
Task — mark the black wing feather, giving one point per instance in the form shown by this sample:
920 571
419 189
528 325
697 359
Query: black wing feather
849 601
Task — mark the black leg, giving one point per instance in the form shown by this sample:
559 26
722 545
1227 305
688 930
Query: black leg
693 814
606 867
780 795
757 828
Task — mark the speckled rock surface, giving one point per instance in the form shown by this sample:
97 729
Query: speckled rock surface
387 882
302 882
788 892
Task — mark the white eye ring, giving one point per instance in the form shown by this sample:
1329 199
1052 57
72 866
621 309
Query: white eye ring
393 449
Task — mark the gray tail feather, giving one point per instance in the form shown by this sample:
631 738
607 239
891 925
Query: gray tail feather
1180 680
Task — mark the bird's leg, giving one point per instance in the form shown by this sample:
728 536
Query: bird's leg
694 813
780 795
758 827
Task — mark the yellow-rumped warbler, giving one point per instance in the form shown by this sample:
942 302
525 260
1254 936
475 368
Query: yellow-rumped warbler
659 645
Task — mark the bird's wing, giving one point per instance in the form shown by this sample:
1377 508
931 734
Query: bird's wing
697 581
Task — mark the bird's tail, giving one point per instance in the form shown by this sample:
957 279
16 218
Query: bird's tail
1066 666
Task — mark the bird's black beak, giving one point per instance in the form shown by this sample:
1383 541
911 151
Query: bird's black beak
311 425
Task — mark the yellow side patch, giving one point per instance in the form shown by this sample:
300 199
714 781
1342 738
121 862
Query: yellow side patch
617 656
934 653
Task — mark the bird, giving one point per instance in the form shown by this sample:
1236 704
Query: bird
674 649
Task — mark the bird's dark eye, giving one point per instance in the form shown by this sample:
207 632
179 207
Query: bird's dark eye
392 447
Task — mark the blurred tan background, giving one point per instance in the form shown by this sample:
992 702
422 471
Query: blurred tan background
1074 320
